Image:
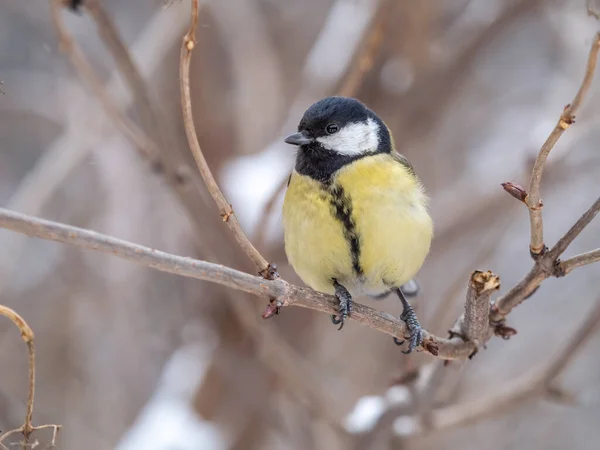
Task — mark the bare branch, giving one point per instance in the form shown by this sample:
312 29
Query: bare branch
27 335
122 57
189 41
575 230
546 266
567 118
580 260
477 306
281 292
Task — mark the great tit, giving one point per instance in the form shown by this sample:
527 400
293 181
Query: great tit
355 213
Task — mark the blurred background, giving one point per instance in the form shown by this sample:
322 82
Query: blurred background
130 358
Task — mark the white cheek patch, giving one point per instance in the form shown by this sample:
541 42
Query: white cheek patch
353 139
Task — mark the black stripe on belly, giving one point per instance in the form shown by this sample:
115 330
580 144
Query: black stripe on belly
342 207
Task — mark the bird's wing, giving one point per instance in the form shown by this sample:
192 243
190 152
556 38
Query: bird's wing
402 160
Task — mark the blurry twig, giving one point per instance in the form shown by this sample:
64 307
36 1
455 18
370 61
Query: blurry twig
591 10
122 57
567 118
265 269
364 59
27 334
126 125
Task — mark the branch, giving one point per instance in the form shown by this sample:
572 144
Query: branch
546 266
567 118
27 334
584 259
279 291
265 269
575 230
122 57
477 307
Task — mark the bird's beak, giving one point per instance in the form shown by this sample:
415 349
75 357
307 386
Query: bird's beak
300 138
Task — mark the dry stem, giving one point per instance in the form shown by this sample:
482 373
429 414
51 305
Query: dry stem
567 118
189 41
27 334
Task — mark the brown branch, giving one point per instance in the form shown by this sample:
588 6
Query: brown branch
281 292
27 335
477 306
567 118
121 55
584 259
575 230
189 41
546 266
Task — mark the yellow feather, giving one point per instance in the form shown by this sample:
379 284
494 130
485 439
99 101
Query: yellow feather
390 215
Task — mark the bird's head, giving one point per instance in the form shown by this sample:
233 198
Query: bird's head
341 126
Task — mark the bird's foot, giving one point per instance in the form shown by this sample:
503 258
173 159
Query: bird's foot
414 327
344 306
412 323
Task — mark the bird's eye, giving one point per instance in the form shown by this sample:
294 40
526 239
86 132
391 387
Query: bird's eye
331 128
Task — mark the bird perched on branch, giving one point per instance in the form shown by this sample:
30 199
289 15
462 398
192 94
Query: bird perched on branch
355 213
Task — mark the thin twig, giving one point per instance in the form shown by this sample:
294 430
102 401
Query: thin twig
567 118
372 41
145 145
27 335
189 41
575 230
121 55
545 267
583 259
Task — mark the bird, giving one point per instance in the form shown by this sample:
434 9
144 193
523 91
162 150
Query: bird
355 214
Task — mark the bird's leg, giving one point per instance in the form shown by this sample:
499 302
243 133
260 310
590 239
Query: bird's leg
345 304
410 288
410 318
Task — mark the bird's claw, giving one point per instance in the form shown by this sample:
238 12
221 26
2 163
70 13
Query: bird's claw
414 327
344 305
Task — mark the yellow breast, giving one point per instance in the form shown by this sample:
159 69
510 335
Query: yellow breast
390 225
